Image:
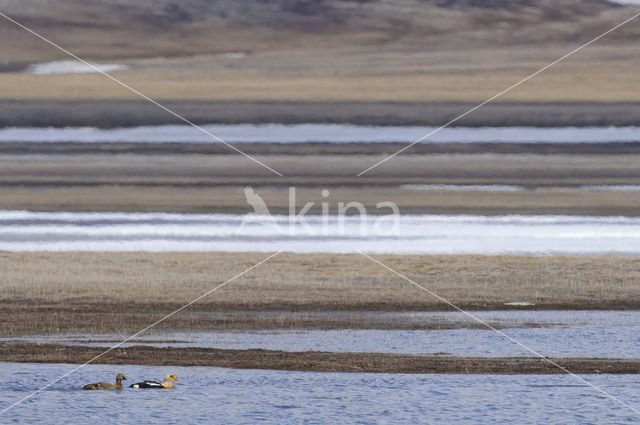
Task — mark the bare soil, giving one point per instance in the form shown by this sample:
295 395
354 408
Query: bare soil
105 113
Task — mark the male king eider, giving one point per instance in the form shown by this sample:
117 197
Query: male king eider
168 378
105 385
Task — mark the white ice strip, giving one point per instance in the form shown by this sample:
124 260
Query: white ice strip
464 188
15 215
71 67
331 133
612 188
513 188
415 234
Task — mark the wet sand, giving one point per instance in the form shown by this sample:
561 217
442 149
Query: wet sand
309 361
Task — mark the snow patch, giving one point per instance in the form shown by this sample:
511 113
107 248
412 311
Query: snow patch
72 67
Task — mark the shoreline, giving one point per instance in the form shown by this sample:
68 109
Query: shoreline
22 320
311 361
113 149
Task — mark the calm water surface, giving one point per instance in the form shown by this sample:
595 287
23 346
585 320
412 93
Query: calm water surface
609 334
329 133
214 395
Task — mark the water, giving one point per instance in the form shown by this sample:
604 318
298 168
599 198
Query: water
418 234
331 133
605 334
215 395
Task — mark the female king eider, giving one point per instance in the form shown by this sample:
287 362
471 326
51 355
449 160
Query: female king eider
105 385
168 378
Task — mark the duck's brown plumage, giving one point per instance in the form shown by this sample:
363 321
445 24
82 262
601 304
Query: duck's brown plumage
105 385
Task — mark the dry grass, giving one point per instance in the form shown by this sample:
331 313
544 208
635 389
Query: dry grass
333 50
123 292
315 281
391 72
597 82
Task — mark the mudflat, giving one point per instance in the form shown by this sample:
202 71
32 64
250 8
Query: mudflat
310 361
109 113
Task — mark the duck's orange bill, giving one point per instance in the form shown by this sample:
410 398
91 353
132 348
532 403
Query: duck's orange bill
175 377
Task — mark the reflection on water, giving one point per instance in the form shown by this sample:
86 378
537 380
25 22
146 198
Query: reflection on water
213 395
331 133
428 234
607 334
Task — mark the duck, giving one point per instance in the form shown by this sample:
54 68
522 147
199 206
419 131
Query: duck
167 382
107 386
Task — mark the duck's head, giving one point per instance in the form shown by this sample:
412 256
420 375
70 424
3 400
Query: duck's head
121 377
170 377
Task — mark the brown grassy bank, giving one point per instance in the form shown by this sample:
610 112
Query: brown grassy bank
606 73
309 361
107 292
455 50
